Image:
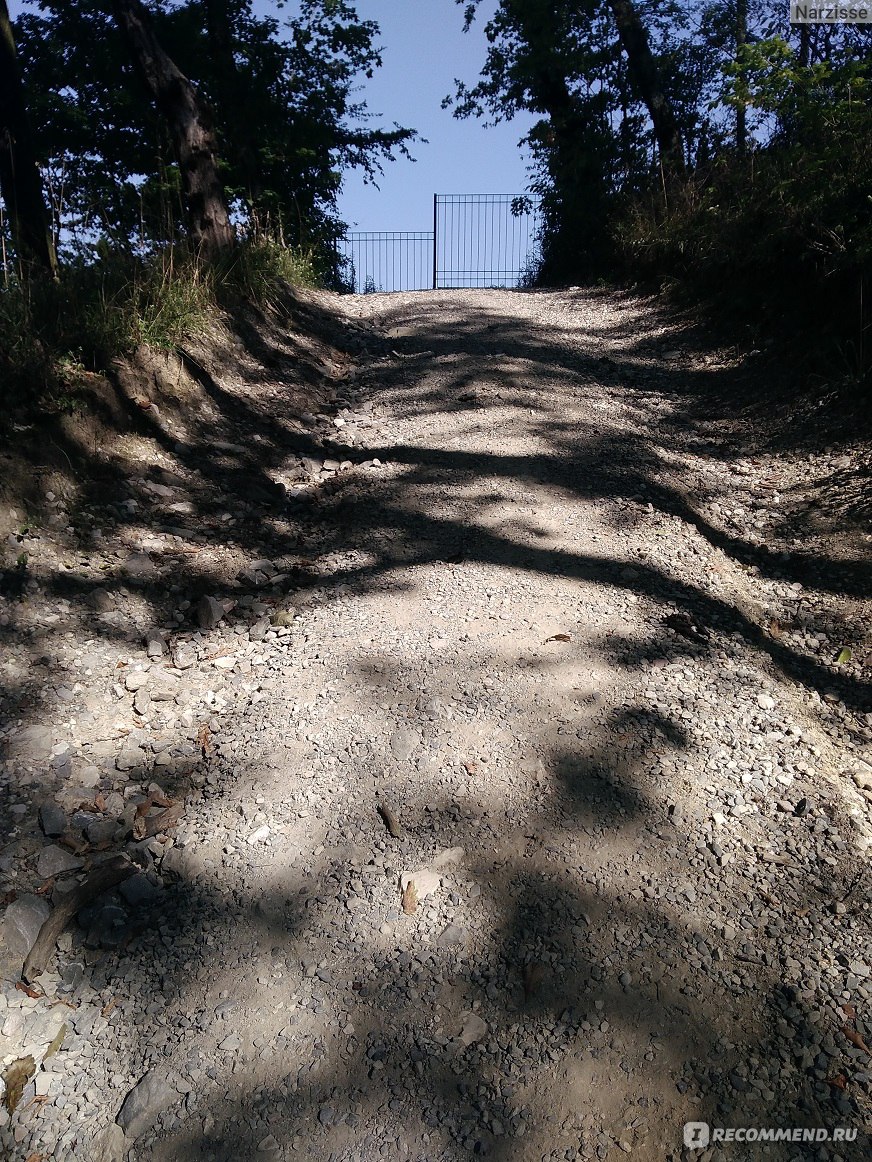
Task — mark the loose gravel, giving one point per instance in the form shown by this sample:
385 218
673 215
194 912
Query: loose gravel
525 750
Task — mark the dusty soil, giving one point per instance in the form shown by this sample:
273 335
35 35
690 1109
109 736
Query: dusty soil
516 570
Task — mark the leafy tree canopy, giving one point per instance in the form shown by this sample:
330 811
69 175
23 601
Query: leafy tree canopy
730 74
281 89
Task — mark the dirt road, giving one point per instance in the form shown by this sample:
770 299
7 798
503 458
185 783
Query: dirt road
536 596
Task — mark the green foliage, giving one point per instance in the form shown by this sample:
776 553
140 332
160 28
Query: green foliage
164 299
593 143
256 272
53 336
781 238
771 223
282 95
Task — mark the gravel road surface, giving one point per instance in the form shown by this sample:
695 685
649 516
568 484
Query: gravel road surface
522 737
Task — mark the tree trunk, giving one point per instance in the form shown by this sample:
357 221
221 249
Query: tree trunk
20 177
804 45
231 95
646 78
575 161
741 108
190 126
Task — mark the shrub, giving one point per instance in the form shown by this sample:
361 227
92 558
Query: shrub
781 237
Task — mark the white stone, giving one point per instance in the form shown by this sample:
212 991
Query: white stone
472 1029
142 1106
425 880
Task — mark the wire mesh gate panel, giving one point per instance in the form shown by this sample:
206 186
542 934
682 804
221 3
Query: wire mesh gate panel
387 260
477 240
485 240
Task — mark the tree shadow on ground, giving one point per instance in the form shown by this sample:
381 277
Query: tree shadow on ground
544 967
387 515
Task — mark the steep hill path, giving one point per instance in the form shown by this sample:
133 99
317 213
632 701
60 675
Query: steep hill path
531 817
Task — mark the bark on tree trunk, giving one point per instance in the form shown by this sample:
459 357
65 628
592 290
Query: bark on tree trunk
219 27
190 126
646 78
20 178
741 109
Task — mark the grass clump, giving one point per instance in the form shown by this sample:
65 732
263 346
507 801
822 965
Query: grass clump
256 271
51 334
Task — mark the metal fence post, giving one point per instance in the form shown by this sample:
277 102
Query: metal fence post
435 265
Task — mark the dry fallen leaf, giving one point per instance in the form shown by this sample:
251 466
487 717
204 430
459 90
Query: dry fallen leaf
778 860
145 825
855 1039
56 1043
108 1007
36 1157
849 1011
139 827
204 739
410 898
390 820
470 768
34 994
775 628
559 637
73 843
16 1077
839 1081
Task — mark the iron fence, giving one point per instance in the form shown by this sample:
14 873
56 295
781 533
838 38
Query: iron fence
484 240
477 240
387 260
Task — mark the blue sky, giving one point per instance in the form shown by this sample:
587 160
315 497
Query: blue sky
424 49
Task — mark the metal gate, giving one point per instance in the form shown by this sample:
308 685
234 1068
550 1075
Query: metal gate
477 240
484 240
386 260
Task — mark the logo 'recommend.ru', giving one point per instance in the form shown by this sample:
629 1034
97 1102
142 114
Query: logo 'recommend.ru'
696 1135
